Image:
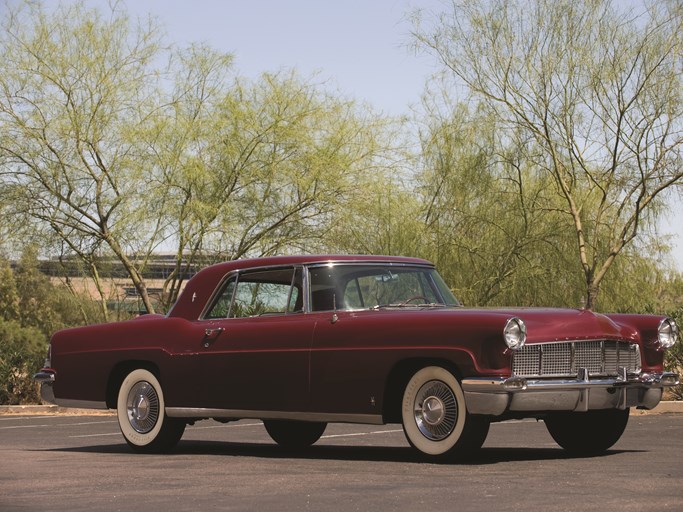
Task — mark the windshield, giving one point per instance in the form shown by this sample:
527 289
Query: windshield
354 286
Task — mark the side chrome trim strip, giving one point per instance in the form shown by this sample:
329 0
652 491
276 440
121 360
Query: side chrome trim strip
198 412
80 404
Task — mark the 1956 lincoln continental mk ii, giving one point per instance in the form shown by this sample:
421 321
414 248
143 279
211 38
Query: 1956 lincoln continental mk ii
305 340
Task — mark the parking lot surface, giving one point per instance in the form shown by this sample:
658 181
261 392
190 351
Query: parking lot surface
74 463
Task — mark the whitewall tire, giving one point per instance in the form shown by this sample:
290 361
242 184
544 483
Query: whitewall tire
141 413
434 414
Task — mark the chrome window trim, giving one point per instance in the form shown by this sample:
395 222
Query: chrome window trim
307 286
327 263
375 263
237 273
305 267
215 294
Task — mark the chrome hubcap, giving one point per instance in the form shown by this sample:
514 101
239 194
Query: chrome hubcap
436 410
432 410
143 407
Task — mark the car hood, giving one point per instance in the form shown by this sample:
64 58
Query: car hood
543 324
546 325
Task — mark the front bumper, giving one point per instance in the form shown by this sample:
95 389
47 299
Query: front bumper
497 396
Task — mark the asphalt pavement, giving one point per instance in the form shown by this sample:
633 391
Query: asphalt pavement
59 462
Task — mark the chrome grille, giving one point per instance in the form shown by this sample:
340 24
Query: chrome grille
589 355
563 359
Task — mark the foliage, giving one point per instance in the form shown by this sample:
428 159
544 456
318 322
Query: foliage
385 218
490 224
671 304
674 357
71 91
276 160
22 350
594 93
110 155
31 309
542 188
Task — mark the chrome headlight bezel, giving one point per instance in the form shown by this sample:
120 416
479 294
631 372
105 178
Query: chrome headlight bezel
514 333
667 333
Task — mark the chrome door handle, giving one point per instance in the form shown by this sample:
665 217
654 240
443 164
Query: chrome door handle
210 335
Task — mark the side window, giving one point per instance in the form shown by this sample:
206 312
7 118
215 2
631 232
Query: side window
324 293
261 292
255 298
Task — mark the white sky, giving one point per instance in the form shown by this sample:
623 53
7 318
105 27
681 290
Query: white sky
358 46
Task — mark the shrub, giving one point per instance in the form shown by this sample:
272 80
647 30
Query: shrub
31 309
22 351
674 358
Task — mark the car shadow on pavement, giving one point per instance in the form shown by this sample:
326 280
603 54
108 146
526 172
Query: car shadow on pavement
484 456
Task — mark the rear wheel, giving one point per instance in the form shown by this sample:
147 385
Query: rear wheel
587 433
294 434
435 418
140 408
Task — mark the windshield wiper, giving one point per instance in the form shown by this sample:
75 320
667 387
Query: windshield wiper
409 305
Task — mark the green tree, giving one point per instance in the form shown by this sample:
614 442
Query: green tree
249 168
117 158
674 356
22 347
595 90
384 216
9 298
22 350
72 84
489 219
31 309
300 155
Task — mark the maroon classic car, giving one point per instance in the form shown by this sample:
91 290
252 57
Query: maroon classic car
302 341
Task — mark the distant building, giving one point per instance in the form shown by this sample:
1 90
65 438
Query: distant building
115 284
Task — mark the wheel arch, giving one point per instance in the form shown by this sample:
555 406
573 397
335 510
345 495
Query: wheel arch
119 372
398 378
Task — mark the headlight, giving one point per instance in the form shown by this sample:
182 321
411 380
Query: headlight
667 333
515 333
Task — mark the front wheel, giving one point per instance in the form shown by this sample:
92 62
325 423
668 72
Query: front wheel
435 418
294 434
141 413
587 433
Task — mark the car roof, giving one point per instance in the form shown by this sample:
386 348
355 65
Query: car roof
315 258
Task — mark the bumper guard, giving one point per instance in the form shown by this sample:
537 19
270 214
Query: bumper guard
46 379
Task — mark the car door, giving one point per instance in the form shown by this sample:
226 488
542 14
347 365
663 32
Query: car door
255 350
356 342
346 375
348 360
